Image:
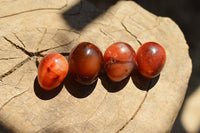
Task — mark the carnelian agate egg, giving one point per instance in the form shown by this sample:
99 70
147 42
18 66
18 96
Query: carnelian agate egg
85 63
151 58
119 61
52 70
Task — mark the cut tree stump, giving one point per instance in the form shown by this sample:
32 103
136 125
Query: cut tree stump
30 29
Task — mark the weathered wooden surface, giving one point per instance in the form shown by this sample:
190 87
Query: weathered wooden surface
28 27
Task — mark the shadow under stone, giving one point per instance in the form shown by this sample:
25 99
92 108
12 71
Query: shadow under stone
112 86
141 82
5 129
76 89
45 94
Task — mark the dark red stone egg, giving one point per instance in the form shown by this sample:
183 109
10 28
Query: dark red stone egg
85 63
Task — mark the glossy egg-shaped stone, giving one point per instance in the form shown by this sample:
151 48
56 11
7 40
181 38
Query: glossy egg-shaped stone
52 70
119 61
85 63
151 58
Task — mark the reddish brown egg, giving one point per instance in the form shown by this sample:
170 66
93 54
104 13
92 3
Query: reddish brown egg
52 70
119 61
85 63
151 58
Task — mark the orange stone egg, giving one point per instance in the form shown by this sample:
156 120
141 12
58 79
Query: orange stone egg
119 61
52 70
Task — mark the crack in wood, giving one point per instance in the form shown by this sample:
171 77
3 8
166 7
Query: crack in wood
33 10
10 58
133 116
98 106
37 62
70 30
90 117
43 128
30 54
67 30
19 81
19 40
43 34
157 23
7 102
36 59
14 68
107 35
39 52
126 29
